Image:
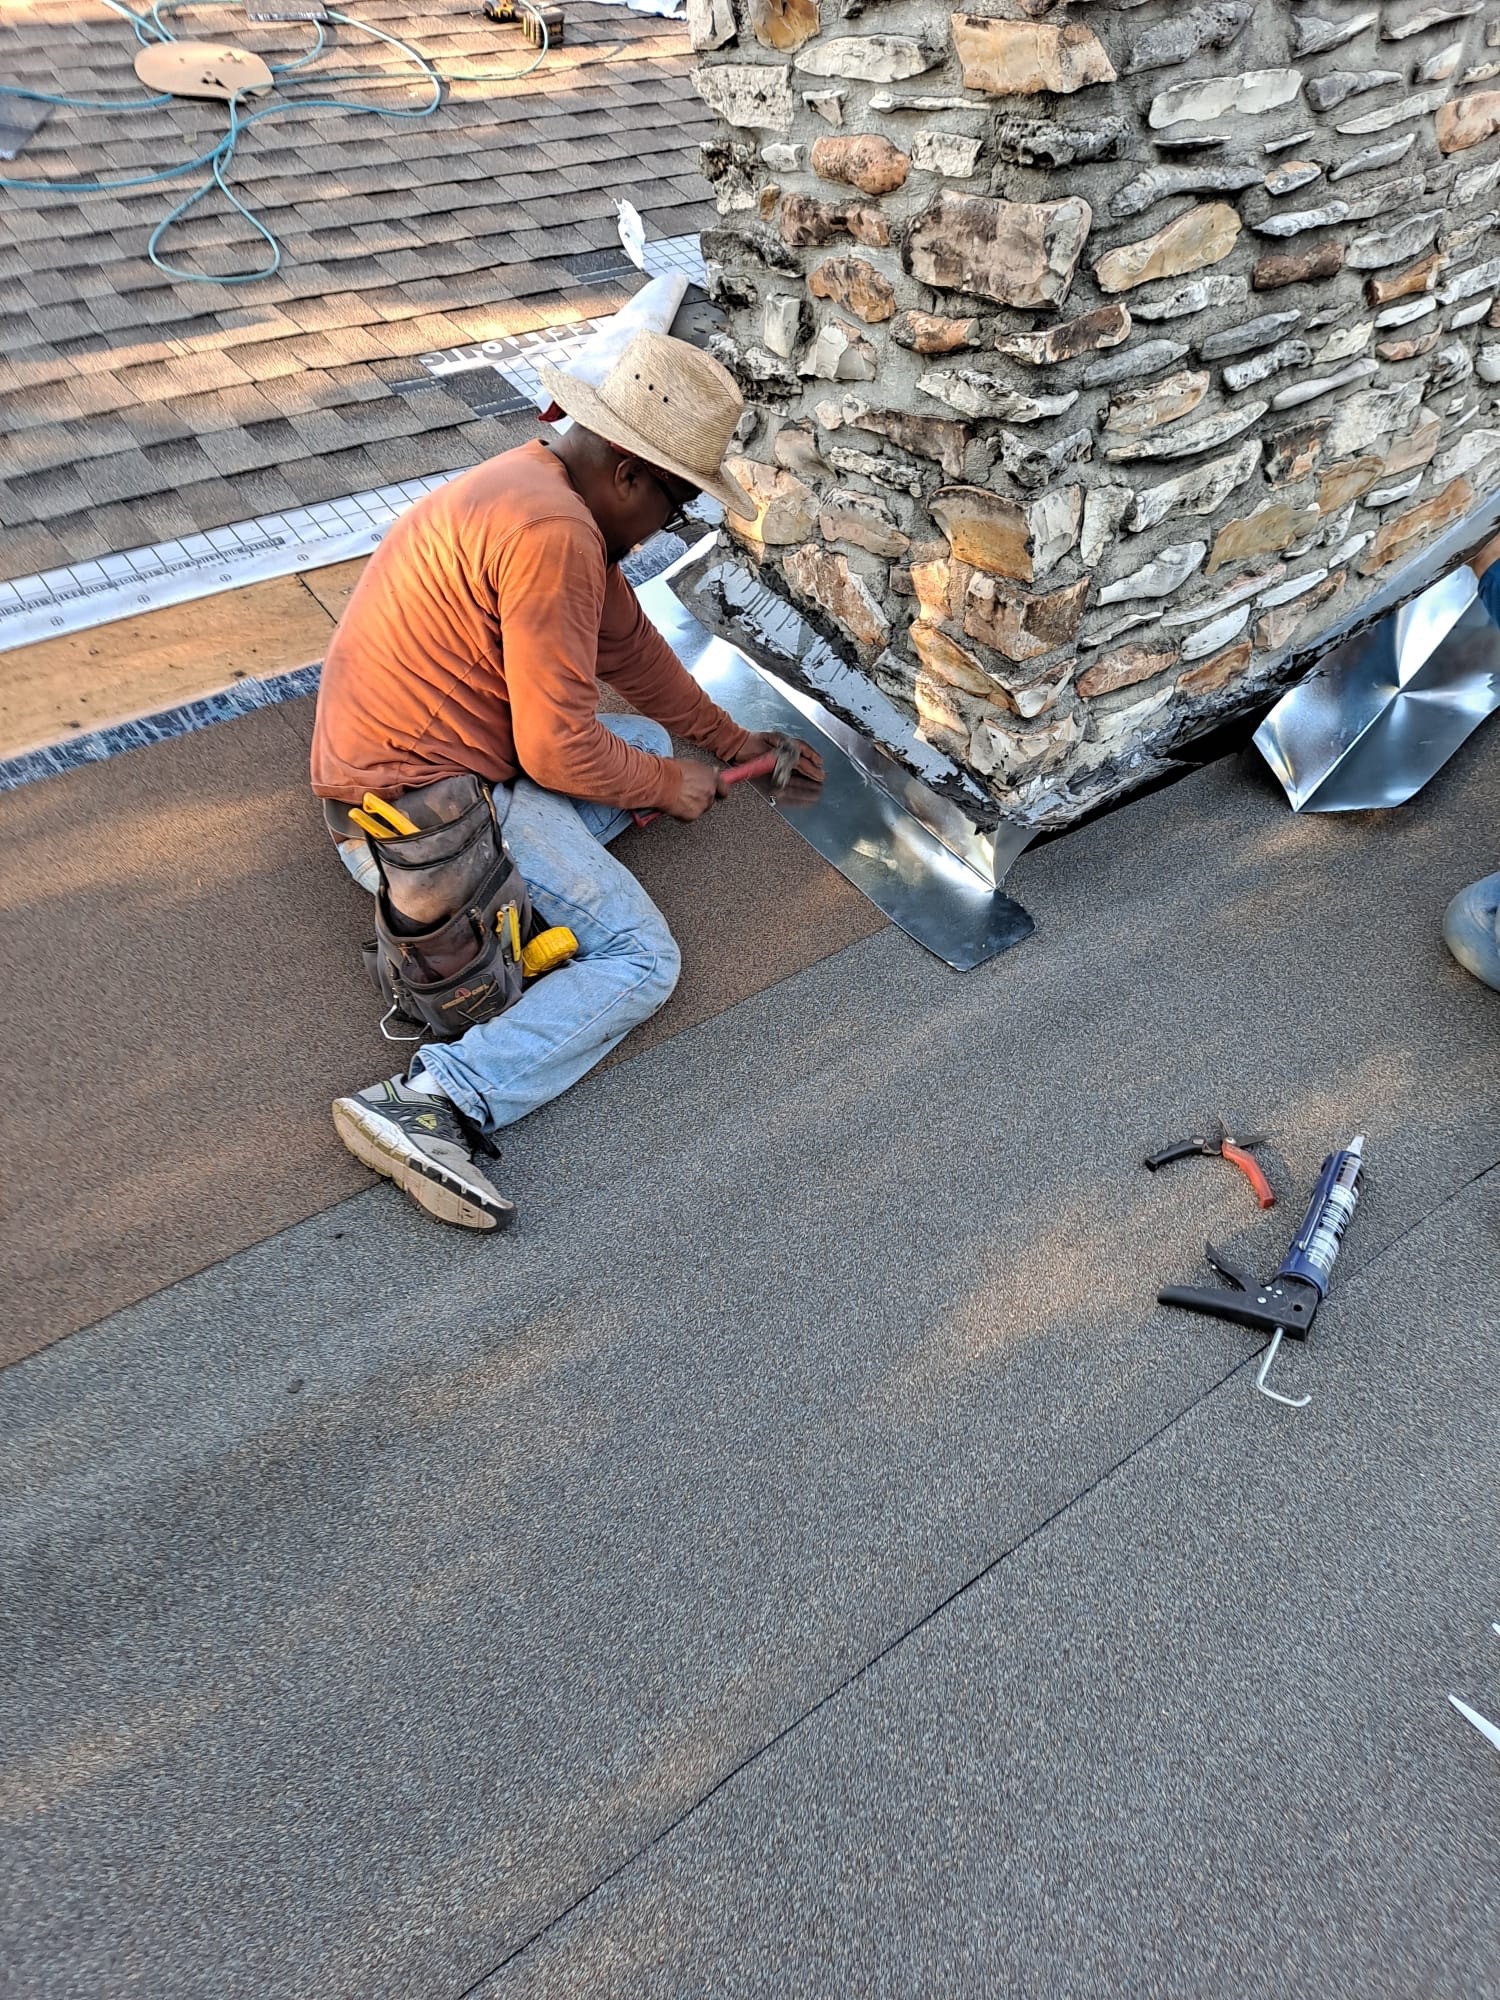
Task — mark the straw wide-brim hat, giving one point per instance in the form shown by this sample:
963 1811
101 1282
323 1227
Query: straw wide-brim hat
667 402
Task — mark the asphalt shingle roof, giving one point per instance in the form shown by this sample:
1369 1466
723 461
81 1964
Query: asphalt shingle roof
133 406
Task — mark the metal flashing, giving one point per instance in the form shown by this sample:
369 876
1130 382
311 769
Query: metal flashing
912 852
1384 711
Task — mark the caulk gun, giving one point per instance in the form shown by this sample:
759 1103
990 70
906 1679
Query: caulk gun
1286 1303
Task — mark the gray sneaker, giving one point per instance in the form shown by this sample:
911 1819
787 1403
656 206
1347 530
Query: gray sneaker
425 1146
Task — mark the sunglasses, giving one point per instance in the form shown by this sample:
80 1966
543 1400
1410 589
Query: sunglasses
677 503
677 519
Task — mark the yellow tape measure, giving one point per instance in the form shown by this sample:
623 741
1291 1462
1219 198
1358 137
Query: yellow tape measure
547 950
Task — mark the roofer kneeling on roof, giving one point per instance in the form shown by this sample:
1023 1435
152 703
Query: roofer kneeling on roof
461 690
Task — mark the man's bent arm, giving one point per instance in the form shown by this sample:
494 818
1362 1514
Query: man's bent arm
550 591
639 664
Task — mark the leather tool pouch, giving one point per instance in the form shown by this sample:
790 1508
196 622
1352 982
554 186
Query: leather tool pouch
451 915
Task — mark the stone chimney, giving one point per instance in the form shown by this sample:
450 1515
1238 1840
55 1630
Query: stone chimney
1104 357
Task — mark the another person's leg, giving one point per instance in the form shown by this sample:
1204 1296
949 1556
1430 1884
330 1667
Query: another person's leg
1470 923
1470 929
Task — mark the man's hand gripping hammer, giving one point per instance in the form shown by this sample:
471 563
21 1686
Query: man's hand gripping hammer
779 765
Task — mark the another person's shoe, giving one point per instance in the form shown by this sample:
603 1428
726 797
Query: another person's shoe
422 1144
1469 929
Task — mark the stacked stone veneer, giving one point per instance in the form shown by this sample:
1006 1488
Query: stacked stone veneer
1101 358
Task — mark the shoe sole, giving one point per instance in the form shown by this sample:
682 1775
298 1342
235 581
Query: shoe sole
385 1149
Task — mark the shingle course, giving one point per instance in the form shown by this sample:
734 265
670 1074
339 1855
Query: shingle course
130 397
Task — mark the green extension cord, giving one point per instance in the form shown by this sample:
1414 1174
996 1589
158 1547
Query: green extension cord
219 157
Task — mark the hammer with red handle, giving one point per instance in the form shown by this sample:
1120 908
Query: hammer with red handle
778 765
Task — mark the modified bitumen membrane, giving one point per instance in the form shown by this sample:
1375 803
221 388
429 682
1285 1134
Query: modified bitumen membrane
1188 1739
193 997
802 1557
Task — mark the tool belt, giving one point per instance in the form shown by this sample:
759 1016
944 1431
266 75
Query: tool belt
451 914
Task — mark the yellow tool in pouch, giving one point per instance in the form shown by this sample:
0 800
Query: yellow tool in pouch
375 828
547 950
396 821
451 911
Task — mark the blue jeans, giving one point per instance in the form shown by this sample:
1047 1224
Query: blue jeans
627 963
1489 591
1470 929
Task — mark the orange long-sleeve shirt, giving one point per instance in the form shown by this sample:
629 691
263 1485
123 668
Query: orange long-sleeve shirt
476 640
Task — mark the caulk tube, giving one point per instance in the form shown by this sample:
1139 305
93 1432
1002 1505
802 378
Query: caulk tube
1316 1244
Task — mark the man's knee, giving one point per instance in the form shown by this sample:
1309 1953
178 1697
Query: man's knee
635 940
641 732
662 963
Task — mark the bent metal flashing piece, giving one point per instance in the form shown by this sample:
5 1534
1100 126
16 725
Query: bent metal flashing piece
894 838
1286 1303
1382 712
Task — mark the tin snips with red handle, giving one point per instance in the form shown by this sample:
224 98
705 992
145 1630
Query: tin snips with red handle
1225 1146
